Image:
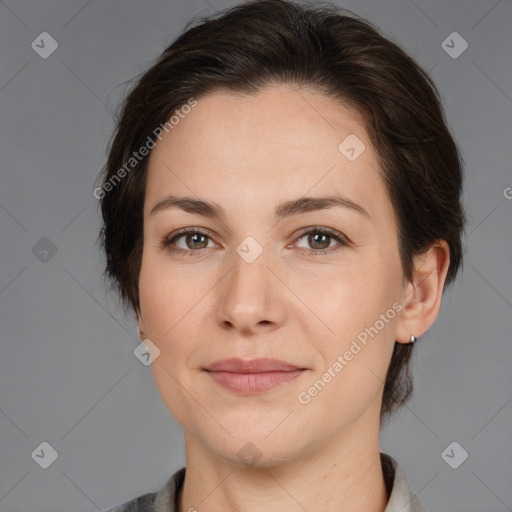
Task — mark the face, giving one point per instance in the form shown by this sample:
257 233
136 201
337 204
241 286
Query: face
301 286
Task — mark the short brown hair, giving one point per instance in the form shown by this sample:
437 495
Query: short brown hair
259 43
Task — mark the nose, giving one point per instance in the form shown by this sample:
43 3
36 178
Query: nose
251 297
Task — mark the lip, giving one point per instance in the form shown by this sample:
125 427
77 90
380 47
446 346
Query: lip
253 376
259 365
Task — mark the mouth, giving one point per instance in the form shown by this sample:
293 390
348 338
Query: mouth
253 376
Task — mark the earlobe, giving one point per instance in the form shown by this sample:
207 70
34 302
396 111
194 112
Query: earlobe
422 295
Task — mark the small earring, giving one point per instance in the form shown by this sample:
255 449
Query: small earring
412 340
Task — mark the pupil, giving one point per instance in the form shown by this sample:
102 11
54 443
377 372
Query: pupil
195 236
323 236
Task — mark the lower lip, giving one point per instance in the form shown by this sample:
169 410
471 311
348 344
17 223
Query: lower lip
250 383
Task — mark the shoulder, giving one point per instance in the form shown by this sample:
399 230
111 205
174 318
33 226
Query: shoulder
401 497
144 503
164 500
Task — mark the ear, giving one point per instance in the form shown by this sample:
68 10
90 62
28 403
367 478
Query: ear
422 296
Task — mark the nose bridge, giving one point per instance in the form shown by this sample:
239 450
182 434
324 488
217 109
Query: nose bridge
250 295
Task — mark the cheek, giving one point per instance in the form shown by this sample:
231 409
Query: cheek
173 303
353 314
164 294
164 304
344 297
356 357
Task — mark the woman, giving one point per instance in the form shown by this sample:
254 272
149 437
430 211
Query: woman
281 208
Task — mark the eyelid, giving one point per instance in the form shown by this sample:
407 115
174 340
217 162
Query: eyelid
323 229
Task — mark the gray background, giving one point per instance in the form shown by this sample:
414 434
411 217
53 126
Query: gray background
68 375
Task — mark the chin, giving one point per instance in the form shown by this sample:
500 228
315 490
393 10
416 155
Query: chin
255 450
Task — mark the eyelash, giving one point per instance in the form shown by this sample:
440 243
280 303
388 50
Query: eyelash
167 242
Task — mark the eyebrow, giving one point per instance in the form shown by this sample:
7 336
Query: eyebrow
286 209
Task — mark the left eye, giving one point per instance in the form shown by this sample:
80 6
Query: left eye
319 239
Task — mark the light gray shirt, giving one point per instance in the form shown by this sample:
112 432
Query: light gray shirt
401 499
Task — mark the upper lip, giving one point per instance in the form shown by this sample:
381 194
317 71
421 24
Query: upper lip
260 365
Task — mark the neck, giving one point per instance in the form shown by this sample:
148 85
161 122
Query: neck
344 473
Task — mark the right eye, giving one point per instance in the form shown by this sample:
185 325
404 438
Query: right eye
195 239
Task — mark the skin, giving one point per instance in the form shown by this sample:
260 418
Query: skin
248 154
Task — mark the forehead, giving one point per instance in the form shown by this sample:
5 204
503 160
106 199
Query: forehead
281 142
